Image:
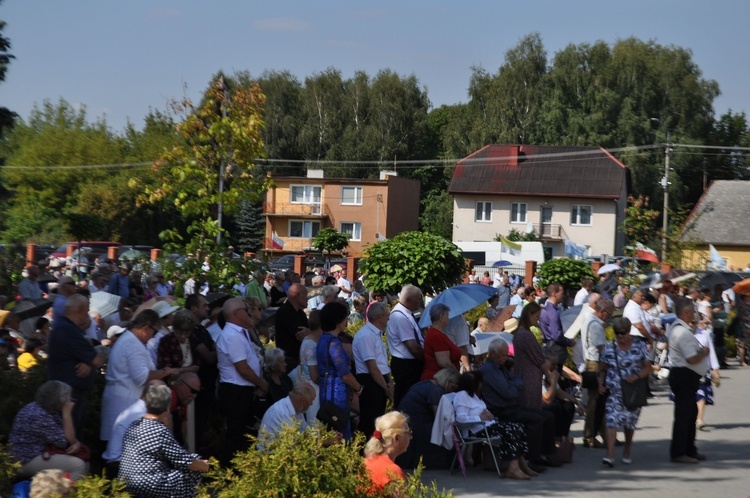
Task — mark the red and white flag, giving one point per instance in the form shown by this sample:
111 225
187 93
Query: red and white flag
277 242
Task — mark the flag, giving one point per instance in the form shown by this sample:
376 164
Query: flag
512 248
717 262
277 242
573 249
646 253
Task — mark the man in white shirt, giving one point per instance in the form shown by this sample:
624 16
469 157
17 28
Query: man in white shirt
634 313
517 300
593 339
289 411
345 285
405 342
583 293
689 364
240 376
373 372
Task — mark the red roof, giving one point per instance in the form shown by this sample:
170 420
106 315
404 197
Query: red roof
540 170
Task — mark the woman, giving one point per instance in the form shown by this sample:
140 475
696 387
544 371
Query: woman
153 464
705 394
390 439
129 368
278 294
178 350
439 350
473 277
469 408
47 421
150 291
337 383
420 405
308 361
633 362
530 363
274 371
558 401
486 279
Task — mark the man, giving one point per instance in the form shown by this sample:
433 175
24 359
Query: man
373 372
162 288
29 288
113 453
621 298
291 324
689 364
575 328
517 301
207 372
97 283
119 283
551 325
289 411
189 287
583 292
255 288
593 340
345 286
503 291
501 389
240 376
72 359
634 313
66 287
405 342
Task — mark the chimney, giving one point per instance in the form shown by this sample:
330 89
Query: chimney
513 155
315 173
385 174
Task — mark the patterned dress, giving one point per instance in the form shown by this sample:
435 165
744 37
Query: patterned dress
154 465
631 362
333 364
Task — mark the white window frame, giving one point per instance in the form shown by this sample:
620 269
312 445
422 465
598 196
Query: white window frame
577 221
356 233
358 191
525 212
307 197
303 222
482 219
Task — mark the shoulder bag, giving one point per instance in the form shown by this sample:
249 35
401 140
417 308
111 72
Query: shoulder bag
634 395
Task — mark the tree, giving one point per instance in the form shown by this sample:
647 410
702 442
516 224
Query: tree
437 215
640 223
251 226
422 259
567 272
517 236
329 240
6 116
221 136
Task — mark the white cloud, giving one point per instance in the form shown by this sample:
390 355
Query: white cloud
281 24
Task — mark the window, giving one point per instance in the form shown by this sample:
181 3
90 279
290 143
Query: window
580 215
352 229
305 194
303 229
351 196
518 212
484 211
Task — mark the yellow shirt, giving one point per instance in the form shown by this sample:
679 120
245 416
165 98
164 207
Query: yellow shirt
26 361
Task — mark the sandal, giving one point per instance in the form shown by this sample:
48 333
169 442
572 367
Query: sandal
609 462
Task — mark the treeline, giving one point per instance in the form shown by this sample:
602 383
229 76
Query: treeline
631 93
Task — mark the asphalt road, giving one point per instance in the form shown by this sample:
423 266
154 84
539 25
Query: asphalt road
724 474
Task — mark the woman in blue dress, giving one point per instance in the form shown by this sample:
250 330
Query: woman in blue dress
337 383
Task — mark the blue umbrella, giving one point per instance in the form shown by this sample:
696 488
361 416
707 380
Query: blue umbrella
501 263
459 299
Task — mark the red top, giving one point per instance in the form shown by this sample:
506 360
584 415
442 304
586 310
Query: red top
383 470
435 342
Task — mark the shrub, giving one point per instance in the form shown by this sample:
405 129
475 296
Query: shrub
567 272
9 466
98 486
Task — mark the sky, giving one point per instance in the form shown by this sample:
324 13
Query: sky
121 58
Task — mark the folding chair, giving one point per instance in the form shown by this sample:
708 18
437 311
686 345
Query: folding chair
462 440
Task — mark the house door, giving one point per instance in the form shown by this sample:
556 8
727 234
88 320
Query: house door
546 218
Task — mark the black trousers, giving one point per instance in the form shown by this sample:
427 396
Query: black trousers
371 404
540 428
405 374
236 405
684 384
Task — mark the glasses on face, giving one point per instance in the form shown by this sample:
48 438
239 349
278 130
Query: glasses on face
622 333
191 388
154 330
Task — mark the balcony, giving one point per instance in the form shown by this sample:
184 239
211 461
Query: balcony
547 231
298 210
291 244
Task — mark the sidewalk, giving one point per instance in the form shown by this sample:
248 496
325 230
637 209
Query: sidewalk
724 474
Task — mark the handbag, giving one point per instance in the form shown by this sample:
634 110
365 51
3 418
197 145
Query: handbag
590 380
84 452
330 414
635 394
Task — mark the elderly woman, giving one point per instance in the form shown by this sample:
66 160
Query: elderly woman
420 405
439 350
129 368
278 294
153 463
47 421
337 382
274 371
390 439
178 350
622 360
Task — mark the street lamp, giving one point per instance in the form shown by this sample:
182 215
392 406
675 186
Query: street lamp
665 185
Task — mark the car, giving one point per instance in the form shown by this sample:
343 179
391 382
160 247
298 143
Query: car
97 247
284 263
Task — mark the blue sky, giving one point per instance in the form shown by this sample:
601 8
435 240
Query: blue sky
121 57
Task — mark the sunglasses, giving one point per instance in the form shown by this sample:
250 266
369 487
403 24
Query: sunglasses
191 388
622 333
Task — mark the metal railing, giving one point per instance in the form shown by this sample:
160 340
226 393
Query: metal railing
296 209
548 231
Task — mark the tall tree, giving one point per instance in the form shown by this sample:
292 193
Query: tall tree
6 116
250 226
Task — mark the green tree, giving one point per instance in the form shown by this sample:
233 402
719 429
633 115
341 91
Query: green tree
517 236
437 215
640 223
329 240
6 115
567 272
430 262
251 226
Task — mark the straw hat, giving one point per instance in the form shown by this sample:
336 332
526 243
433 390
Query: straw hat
510 325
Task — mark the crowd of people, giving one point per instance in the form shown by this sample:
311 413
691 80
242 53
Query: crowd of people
158 357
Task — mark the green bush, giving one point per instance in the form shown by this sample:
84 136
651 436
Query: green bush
98 486
567 272
9 466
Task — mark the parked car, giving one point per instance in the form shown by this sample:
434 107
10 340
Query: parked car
97 247
284 263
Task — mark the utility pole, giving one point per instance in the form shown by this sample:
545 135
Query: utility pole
665 186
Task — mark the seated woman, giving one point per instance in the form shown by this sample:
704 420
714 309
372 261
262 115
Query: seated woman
178 350
390 439
153 463
439 350
420 405
558 401
47 421
469 408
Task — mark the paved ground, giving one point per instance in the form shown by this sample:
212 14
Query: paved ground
725 474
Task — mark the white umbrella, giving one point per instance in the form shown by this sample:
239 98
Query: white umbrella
104 303
485 338
608 268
